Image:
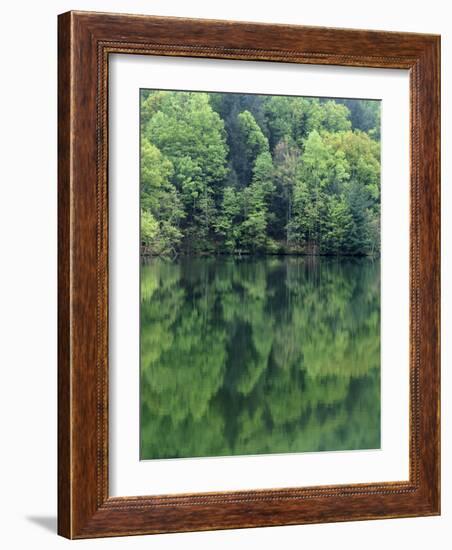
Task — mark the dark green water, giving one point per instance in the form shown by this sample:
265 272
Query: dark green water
259 355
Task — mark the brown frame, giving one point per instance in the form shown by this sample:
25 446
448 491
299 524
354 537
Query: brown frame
84 44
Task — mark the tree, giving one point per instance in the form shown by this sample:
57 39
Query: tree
256 205
298 174
286 160
156 171
362 190
364 115
284 116
335 117
227 223
246 355
292 118
338 225
322 172
229 106
254 140
254 226
161 208
264 173
191 135
149 228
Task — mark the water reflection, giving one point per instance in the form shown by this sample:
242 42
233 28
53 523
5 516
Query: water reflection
259 355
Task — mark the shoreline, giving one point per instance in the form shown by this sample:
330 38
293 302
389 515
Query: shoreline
261 255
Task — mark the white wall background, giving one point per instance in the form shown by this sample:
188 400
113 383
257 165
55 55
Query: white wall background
28 270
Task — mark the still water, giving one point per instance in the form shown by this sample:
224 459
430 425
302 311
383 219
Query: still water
259 355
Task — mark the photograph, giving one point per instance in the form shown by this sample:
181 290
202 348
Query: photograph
225 232
260 274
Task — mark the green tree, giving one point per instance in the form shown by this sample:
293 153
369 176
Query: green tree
254 140
322 172
256 205
286 160
301 175
362 190
254 226
229 106
364 115
264 173
284 116
294 118
338 225
227 222
161 208
149 228
335 117
191 135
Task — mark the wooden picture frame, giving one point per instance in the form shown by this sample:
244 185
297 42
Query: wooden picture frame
85 42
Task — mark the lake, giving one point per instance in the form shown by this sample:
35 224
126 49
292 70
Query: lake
252 355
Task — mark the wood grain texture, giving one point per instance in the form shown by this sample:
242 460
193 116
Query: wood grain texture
64 295
85 42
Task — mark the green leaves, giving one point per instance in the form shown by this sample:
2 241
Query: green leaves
242 173
335 117
185 126
161 209
149 227
226 224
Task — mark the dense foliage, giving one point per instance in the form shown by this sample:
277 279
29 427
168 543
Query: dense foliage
259 355
236 173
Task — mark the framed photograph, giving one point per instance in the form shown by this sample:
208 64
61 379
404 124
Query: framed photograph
248 275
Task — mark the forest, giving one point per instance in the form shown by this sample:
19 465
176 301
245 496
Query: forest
227 173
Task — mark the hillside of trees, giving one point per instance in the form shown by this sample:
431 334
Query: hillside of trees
225 173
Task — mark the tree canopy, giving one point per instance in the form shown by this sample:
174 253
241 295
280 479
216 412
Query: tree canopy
254 174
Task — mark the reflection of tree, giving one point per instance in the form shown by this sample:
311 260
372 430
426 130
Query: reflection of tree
259 355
